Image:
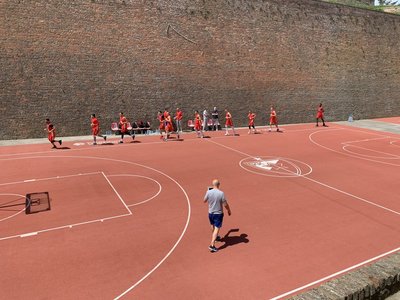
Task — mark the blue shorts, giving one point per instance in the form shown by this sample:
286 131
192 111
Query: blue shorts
216 219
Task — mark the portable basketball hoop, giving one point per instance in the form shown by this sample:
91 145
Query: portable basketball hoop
37 202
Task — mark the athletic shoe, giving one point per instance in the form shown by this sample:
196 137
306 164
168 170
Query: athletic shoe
316 125
212 249
54 147
95 143
269 130
120 142
325 125
226 133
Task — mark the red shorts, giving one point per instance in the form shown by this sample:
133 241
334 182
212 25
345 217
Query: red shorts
124 128
197 126
95 130
273 121
229 122
169 127
51 136
320 115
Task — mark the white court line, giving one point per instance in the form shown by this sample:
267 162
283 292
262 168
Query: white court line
116 192
17 213
74 224
365 155
366 140
49 178
63 227
140 176
145 167
310 137
335 274
320 183
340 191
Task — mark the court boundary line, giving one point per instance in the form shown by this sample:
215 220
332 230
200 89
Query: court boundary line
49 178
377 151
310 138
34 233
320 183
339 272
361 264
186 196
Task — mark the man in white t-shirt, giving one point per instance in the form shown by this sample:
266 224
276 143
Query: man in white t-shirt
205 119
216 200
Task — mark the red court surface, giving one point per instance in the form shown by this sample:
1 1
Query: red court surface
128 221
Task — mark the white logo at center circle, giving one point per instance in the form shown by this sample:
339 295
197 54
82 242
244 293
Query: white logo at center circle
275 166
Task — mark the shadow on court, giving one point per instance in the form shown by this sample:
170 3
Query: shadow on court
107 144
231 240
62 148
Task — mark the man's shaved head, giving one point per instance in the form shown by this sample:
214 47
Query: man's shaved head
216 183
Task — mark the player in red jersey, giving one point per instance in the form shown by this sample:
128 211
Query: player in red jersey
96 129
197 124
161 127
51 133
273 120
123 123
320 115
251 116
228 122
169 127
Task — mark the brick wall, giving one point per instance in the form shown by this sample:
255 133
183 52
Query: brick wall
68 59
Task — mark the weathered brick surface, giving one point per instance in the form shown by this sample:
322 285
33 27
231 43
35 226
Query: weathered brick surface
67 59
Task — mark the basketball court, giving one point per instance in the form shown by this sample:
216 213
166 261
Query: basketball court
128 221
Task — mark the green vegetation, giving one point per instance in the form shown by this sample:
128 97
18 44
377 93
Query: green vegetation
393 9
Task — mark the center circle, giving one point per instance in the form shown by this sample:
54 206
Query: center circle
275 166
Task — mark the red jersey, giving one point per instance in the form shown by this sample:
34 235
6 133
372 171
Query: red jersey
251 117
124 124
228 118
95 123
160 118
95 126
168 123
178 115
272 118
197 121
320 112
51 132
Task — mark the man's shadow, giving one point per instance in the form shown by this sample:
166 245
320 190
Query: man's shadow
229 240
